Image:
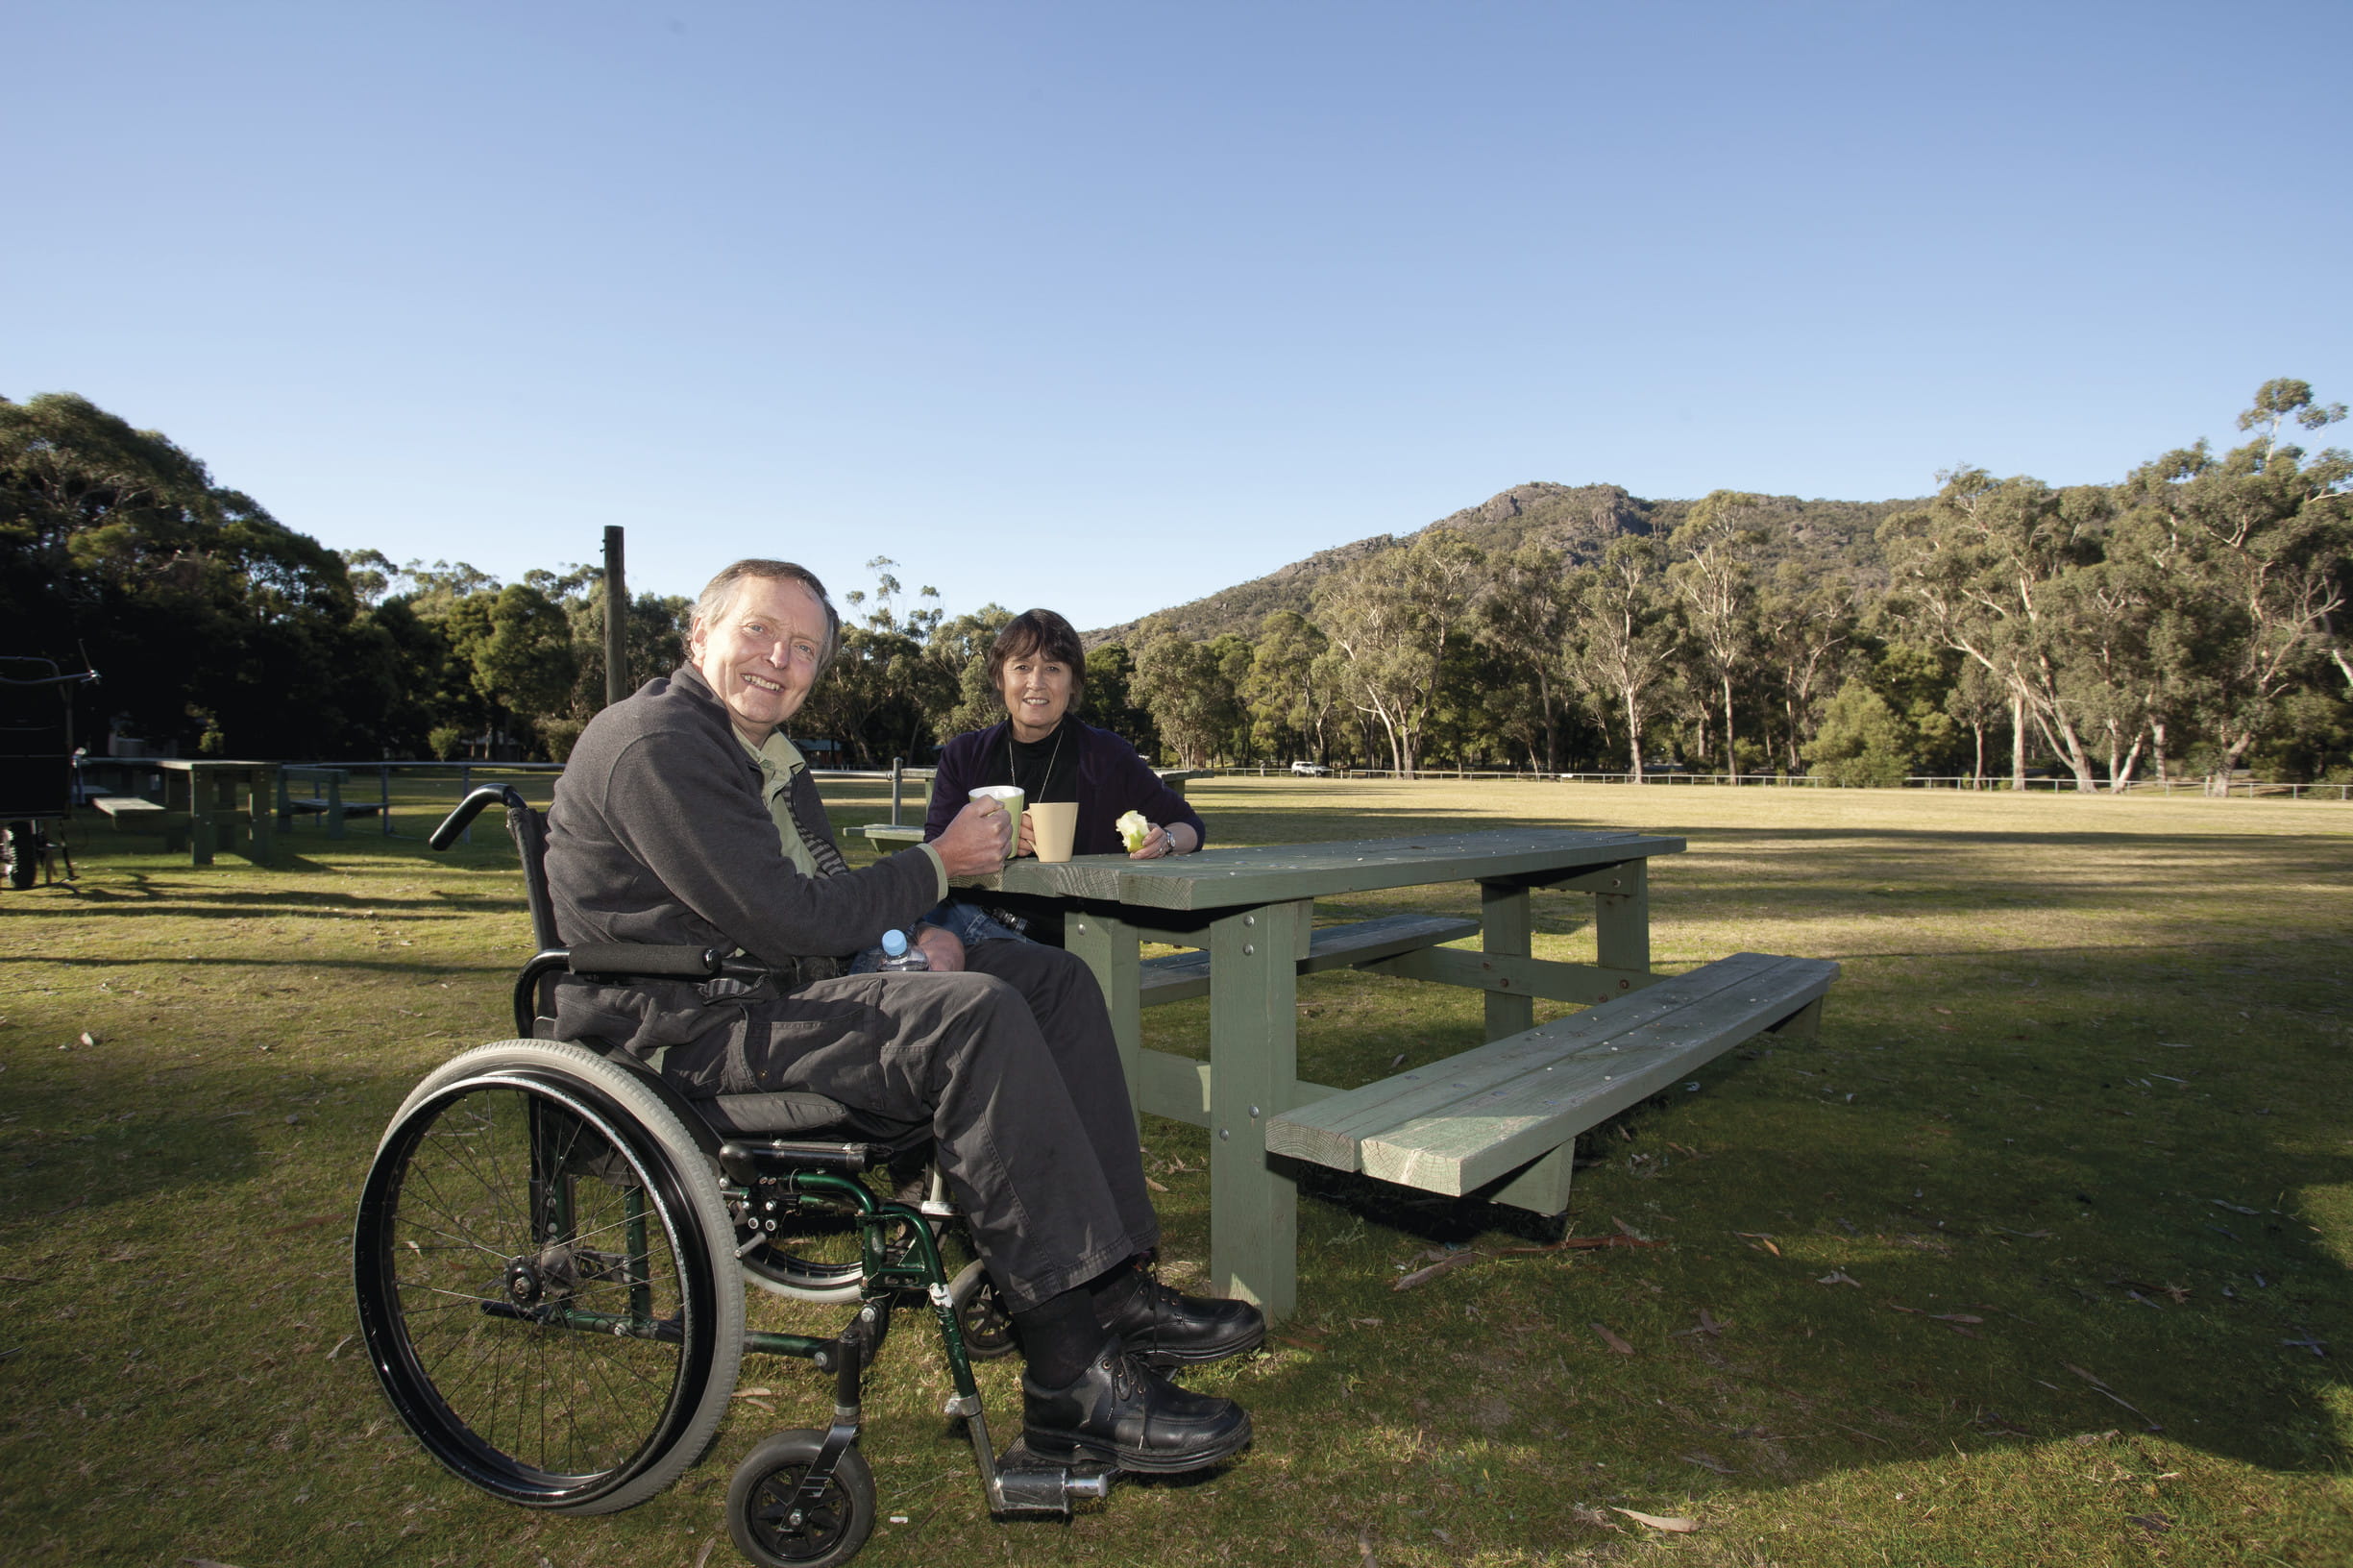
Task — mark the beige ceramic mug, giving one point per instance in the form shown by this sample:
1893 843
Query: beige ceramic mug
1053 825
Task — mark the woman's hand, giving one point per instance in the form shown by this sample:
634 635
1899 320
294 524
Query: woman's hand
1162 841
1027 843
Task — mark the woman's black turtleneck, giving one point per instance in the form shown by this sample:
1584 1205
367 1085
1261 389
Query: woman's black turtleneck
1042 769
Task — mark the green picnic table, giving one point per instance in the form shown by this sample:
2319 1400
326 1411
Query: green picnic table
1470 1124
205 792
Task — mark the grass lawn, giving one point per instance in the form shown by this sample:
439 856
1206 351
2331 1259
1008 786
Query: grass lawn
2039 1254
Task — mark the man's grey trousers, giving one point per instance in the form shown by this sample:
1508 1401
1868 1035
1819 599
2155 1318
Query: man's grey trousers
1012 1066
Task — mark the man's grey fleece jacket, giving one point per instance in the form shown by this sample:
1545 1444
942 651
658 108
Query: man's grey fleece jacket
659 834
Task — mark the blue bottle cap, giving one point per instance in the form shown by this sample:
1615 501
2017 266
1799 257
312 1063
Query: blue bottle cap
895 943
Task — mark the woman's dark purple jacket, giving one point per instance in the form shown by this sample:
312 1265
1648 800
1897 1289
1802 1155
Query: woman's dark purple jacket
1112 781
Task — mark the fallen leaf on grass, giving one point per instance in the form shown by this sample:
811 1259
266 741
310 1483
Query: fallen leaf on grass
2156 1524
339 1344
1584 1515
1838 1276
1709 1462
2109 1393
88 1039
1678 1526
1760 1239
704 1556
1708 1326
1153 1185
756 1393
311 1224
1613 1340
2234 1207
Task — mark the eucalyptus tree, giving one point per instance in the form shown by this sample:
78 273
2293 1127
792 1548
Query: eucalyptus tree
1624 640
2260 537
1185 685
1713 584
1523 617
1293 690
1981 572
1806 630
1391 616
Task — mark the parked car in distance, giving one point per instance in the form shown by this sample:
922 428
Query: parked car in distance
1310 770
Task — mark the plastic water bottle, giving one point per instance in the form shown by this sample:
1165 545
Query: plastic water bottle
898 957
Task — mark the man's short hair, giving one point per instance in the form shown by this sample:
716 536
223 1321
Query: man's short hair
1043 633
720 592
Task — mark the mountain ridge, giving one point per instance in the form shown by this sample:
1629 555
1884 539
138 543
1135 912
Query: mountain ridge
1580 521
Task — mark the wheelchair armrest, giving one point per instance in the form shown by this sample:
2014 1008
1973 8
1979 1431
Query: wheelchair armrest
635 959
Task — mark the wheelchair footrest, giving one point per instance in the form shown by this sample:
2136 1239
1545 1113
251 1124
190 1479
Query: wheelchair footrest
1028 1484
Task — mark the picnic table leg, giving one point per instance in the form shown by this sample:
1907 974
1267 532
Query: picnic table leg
1108 946
201 839
334 805
1254 1059
1622 922
1506 928
260 787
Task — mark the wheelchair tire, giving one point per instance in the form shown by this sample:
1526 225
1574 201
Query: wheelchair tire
542 1264
820 1263
22 853
759 1504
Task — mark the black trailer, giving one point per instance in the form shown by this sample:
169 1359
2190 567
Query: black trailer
37 760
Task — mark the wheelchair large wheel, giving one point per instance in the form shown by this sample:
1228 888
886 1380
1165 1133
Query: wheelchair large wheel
544 1271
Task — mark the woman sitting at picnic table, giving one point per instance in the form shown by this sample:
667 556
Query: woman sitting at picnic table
1043 749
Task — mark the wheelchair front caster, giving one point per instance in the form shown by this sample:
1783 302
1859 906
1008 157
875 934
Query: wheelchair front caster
774 1527
988 1327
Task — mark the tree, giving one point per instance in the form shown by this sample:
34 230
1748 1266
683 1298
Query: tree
1981 572
1804 630
2261 538
1862 744
1184 684
1523 616
209 615
1712 583
1111 701
1622 645
1391 615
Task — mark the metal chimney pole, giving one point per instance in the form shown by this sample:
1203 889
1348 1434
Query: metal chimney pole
615 622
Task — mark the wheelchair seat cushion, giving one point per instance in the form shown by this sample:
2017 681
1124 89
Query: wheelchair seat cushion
734 1114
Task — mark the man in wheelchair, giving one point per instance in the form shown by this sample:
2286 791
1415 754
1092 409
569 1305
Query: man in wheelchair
685 816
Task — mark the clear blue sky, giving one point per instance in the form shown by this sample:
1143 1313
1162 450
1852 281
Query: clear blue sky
1109 305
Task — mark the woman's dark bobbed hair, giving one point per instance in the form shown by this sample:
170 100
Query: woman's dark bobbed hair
1039 633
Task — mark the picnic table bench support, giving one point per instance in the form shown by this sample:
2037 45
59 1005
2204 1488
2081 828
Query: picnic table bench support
1507 929
1254 1225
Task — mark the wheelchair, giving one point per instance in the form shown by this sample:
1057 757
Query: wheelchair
553 1247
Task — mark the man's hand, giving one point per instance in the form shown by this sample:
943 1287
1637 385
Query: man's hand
944 948
973 844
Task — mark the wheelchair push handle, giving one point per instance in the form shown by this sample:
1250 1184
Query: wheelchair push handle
472 806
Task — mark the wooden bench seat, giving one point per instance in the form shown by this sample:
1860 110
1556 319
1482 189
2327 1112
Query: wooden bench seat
312 806
1516 1104
119 806
894 832
1176 977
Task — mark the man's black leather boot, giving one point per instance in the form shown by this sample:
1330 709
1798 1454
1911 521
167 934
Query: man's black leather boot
1163 1328
1121 1410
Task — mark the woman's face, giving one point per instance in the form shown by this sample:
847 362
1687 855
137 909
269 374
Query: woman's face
1037 693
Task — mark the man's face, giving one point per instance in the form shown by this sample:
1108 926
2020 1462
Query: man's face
760 653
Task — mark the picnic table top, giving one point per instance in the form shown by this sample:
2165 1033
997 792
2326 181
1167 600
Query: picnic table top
1275 872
